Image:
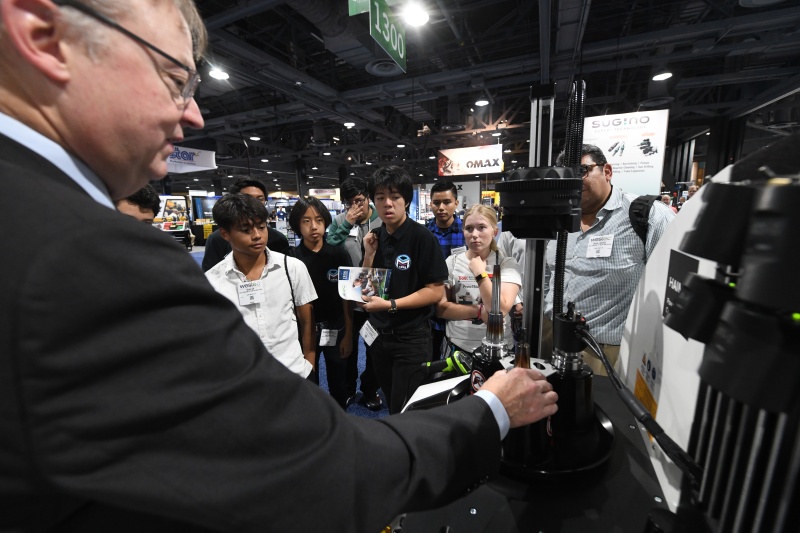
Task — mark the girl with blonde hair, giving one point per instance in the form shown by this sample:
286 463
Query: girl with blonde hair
468 299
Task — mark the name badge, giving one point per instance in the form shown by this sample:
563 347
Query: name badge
368 333
327 337
599 246
251 292
354 231
459 250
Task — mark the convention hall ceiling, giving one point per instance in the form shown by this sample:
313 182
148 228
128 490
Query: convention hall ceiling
299 70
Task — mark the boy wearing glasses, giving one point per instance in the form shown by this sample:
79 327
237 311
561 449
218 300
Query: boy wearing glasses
348 230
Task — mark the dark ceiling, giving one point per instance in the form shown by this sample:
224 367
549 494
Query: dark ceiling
300 69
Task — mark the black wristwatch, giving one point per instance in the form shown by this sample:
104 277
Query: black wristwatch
393 309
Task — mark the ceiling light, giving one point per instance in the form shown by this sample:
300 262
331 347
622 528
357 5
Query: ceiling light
369 162
349 125
274 179
415 15
507 151
421 174
336 139
352 173
313 168
218 74
662 75
196 179
482 102
230 175
269 172
401 145
496 134
513 160
255 138
431 157
265 160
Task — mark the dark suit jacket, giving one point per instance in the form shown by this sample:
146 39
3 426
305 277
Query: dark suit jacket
217 247
134 398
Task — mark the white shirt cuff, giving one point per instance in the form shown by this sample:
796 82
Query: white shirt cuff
499 412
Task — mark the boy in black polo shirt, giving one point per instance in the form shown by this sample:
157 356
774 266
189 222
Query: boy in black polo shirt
333 316
416 284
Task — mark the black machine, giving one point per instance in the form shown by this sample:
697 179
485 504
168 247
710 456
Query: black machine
741 471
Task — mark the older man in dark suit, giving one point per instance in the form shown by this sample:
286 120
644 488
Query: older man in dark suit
132 396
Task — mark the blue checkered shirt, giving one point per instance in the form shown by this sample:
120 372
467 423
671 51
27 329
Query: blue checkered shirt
603 287
449 238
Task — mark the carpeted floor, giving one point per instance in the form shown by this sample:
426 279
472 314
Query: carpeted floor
355 409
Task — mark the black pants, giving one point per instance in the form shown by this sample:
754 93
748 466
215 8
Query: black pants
369 381
398 358
335 366
437 336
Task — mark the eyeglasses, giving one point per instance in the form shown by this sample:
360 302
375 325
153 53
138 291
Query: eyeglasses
588 168
354 201
185 88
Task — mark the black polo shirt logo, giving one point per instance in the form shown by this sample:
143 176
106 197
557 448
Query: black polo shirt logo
403 262
333 275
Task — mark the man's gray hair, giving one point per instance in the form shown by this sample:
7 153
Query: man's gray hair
85 28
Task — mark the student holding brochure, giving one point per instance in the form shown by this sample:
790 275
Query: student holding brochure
418 272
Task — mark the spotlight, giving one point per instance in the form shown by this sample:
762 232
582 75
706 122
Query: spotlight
218 74
415 15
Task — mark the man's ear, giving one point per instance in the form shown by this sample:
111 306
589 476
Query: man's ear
36 30
224 234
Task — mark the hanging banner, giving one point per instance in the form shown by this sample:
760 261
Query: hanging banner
388 32
474 160
634 144
190 160
356 7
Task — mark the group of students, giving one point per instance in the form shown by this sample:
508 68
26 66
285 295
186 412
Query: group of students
290 297
440 287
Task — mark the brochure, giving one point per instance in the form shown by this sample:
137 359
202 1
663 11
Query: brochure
355 282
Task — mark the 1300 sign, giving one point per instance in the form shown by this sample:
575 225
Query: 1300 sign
390 35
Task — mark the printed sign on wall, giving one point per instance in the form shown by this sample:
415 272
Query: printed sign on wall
190 160
475 160
634 145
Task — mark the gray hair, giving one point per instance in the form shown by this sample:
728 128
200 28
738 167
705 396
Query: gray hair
81 27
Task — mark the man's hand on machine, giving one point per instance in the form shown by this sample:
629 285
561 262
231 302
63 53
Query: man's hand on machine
525 393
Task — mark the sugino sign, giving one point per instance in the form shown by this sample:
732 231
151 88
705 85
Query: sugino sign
190 160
